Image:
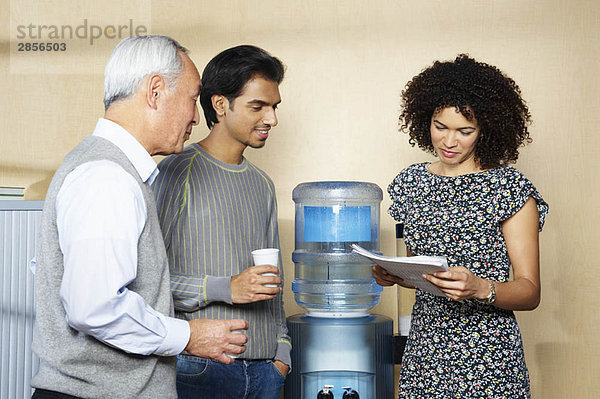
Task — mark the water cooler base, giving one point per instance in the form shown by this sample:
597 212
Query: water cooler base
345 353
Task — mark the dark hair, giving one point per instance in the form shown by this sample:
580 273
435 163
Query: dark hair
229 71
477 90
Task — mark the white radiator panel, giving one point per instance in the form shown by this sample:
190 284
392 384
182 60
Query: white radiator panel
19 223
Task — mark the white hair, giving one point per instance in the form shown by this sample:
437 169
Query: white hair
136 57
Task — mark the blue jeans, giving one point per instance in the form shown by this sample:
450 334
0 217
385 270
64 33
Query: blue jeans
199 378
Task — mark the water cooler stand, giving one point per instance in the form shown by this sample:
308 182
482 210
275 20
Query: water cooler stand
339 350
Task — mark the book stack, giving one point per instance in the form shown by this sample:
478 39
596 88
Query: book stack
11 193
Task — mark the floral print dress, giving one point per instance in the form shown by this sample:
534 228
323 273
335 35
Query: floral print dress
462 349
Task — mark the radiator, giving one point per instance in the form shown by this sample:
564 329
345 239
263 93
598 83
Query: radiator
19 223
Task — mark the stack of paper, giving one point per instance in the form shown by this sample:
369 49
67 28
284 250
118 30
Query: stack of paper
11 193
409 268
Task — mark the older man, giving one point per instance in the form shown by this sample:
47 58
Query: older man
103 302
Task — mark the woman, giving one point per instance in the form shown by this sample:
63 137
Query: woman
484 216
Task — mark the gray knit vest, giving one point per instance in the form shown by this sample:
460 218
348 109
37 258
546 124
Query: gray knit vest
77 364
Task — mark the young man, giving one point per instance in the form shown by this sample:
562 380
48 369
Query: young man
215 207
102 294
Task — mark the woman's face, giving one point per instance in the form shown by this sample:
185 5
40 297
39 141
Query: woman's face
454 138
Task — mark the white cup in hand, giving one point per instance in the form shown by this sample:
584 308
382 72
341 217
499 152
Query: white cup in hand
236 355
266 256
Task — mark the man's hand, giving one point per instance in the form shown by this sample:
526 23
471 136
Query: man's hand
283 368
248 286
213 338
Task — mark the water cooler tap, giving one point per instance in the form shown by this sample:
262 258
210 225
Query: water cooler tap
325 393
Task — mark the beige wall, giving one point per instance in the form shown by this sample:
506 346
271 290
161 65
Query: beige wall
347 63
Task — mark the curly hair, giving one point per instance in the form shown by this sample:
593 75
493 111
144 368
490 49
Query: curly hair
477 90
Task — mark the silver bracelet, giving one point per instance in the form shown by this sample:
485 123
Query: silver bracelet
491 298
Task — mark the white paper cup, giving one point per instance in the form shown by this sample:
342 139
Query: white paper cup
235 355
266 256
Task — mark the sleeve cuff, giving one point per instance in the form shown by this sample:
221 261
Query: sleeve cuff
283 353
177 338
218 289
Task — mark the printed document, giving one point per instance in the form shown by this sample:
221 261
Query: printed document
409 268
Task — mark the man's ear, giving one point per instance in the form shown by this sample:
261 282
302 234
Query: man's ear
220 104
155 89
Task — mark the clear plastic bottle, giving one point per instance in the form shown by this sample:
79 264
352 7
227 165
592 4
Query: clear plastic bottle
331 280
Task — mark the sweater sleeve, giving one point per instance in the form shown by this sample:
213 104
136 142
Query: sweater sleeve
284 345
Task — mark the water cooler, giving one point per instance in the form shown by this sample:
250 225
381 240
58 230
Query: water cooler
339 349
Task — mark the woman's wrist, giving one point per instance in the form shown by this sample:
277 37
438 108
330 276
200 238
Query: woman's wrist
483 291
487 292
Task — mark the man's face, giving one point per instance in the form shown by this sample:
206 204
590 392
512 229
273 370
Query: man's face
249 117
180 109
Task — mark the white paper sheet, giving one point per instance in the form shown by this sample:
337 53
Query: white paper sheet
409 268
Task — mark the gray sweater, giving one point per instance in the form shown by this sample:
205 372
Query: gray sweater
213 215
75 363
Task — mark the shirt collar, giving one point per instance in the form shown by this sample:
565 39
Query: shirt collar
135 152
